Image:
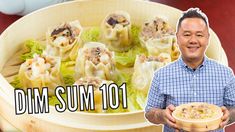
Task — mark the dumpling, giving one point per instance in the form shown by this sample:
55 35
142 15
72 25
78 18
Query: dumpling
155 28
95 60
144 69
158 37
41 71
96 83
63 39
116 31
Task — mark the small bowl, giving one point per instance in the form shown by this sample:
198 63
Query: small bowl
197 125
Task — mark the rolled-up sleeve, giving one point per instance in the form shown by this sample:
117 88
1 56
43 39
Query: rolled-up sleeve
156 98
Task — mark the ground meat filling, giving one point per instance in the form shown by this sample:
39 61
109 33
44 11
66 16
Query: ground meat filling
64 35
117 19
98 55
196 112
144 58
39 65
156 28
95 82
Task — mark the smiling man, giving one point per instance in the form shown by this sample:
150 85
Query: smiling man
192 78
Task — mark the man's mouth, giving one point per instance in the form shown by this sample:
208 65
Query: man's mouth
193 48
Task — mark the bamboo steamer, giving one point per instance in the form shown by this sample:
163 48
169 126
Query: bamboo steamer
198 125
89 13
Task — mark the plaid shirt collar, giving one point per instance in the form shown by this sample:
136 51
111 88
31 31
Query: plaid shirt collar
182 63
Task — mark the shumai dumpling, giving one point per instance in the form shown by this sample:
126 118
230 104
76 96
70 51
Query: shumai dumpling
144 69
63 39
157 36
116 31
41 71
95 60
96 83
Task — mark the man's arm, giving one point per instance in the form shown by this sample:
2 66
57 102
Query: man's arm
155 116
162 116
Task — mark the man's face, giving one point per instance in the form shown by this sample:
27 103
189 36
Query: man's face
192 38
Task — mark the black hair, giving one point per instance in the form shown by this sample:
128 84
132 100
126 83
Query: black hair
193 13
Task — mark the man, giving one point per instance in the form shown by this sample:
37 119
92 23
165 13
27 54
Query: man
191 78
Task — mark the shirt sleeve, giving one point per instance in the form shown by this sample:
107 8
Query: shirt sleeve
156 98
229 97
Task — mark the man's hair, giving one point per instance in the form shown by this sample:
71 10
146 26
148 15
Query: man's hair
193 13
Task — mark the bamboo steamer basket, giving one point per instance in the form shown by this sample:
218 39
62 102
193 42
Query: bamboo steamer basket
198 125
89 13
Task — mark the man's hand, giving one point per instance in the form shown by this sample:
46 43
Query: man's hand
162 116
169 119
225 117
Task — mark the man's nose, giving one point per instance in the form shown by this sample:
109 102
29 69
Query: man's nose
193 39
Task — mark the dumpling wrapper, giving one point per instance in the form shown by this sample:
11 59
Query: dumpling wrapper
158 37
63 40
155 28
96 83
95 60
41 71
161 45
116 31
144 69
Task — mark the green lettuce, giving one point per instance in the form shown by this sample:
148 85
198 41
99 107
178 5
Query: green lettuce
128 58
91 34
16 82
53 99
135 99
141 99
67 71
32 47
135 30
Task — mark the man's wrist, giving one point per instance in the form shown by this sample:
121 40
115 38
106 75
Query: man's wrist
159 114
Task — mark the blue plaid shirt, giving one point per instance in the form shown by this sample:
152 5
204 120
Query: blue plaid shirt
178 84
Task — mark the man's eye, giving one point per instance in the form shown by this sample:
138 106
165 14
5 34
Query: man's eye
186 34
199 35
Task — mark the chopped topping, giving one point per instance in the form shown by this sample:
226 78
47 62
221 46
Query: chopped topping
65 30
156 28
97 55
39 65
144 58
196 112
96 82
64 35
117 19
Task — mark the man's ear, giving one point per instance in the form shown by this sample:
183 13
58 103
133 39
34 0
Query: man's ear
177 35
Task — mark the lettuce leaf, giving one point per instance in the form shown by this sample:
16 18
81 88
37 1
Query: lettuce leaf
141 99
53 99
91 34
135 98
128 58
32 47
16 82
135 30
67 71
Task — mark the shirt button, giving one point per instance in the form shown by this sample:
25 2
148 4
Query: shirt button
195 94
194 75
